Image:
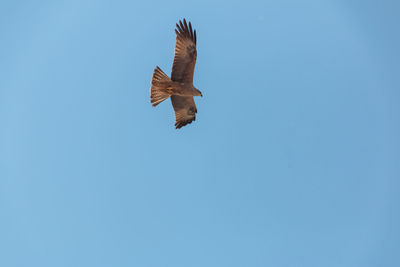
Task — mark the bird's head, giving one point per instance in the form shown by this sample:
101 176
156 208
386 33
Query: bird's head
198 92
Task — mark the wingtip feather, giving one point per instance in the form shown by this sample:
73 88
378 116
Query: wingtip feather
185 30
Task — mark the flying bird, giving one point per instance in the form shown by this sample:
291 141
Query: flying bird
180 86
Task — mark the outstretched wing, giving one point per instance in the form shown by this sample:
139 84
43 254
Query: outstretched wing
185 110
182 71
185 53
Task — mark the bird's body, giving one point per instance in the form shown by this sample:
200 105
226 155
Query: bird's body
180 86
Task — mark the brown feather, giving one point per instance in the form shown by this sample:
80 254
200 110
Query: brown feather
159 84
185 54
185 110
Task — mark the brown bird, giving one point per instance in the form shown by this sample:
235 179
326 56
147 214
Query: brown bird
180 87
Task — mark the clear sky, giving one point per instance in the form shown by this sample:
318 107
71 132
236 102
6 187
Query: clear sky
293 159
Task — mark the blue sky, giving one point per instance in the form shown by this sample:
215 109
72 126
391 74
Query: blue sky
293 159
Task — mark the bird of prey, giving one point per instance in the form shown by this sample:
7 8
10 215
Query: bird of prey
180 86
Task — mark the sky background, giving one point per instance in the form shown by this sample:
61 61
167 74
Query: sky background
294 159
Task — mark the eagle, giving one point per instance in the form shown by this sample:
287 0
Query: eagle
180 86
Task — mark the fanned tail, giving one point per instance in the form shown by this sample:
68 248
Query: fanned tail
160 87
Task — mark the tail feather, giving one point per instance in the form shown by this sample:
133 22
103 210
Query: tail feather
160 83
